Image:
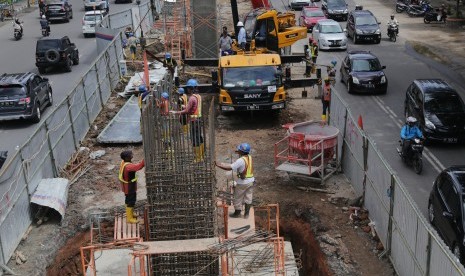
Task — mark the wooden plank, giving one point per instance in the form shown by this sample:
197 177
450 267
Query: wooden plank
124 230
176 246
118 228
115 229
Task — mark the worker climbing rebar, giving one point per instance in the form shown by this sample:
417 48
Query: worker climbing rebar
194 111
182 103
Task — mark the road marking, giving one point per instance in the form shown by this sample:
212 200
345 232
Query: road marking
429 156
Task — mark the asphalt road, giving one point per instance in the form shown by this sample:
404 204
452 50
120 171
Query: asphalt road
19 56
383 115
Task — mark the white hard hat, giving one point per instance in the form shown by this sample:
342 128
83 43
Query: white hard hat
411 119
240 24
43 16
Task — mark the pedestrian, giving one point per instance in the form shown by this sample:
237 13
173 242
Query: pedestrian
243 189
326 100
194 111
331 71
170 63
182 103
127 177
241 37
132 43
308 58
225 43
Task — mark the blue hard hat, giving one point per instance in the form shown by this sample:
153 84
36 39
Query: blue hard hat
334 62
167 55
181 91
192 83
244 147
165 95
142 88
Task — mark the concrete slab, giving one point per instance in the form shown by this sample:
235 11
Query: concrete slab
124 127
258 259
176 246
112 262
237 225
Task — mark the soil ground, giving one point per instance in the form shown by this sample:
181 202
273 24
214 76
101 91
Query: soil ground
325 239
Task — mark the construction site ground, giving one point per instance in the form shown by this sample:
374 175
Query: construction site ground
323 237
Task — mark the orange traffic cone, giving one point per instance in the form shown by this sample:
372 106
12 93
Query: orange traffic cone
360 122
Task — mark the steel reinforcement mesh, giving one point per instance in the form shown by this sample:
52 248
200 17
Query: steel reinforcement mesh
195 263
180 188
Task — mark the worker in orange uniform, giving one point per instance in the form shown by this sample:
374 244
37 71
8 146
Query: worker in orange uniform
326 99
243 189
194 111
182 103
127 177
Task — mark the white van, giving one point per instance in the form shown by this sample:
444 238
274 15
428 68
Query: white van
90 19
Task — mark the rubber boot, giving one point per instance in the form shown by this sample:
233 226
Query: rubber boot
198 151
247 210
202 151
323 118
130 215
236 214
185 128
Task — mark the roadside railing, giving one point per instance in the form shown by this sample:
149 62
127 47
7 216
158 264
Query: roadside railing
410 242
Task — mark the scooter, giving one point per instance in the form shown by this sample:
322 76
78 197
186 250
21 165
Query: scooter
402 5
419 10
415 155
435 16
45 32
17 29
392 31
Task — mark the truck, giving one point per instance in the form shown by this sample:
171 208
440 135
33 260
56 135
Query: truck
250 82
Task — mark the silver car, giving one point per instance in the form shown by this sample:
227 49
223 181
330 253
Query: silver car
329 35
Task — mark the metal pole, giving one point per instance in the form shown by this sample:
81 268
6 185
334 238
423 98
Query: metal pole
87 107
52 156
99 87
72 124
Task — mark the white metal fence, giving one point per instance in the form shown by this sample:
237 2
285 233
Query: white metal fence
59 134
409 240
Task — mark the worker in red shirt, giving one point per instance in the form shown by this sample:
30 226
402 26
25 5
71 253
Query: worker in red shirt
194 110
127 177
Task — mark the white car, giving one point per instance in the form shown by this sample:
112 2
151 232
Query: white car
299 4
90 5
329 35
91 18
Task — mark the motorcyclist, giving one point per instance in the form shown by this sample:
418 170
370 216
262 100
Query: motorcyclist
17 22
442 13
393 22
44 23
409 131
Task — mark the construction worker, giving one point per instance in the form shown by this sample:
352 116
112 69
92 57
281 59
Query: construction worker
308 61
241 36
314 55
182 103
127 177
243 189
326 99
164 103
170 63
132 43
194 111
331 71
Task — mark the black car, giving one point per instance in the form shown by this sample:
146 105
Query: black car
335 9
54 52
363 26
446 206
362 72
24 96
438 108
59 11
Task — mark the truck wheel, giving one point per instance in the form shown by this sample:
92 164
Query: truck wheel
76 60
69 64
52 56
36 118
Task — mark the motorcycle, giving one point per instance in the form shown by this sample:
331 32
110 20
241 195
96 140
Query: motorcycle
392 31
435 16
414 156
402 5
419 10
18 30
45 32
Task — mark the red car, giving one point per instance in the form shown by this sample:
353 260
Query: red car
309 16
